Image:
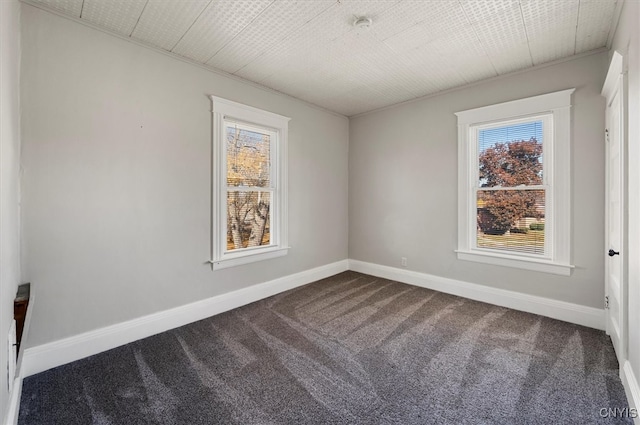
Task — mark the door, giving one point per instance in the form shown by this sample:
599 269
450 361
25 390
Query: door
615 284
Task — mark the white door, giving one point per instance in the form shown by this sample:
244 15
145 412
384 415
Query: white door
615 285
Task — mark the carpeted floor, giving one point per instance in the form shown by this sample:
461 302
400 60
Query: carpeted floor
350 349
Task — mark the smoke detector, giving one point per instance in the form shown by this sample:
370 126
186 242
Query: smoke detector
362 22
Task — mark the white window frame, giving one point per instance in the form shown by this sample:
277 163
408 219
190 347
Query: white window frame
555 111
225 111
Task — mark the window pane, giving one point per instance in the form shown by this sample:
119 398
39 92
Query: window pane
511 155
248 219
511 220
248 157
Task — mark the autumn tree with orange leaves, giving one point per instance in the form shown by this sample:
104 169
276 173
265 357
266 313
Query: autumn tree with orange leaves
509 165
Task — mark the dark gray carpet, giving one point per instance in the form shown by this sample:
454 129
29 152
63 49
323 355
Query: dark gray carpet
350 349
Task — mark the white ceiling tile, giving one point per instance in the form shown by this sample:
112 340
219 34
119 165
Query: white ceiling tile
444 19
486 10
310 42
551 28
462 42
265 65
441 20
280 19
458 54
502 35
504 29
69 7
552 46
478 70
220 22
391 93
338 20
163 23
357 100
119 16
594 24
409 13
512 59
314 87
409 39
366 60
545 17
437 74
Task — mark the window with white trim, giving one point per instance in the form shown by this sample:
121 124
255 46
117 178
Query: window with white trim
514 198
249 218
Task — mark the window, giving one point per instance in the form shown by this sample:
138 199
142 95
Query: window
249 184
514 183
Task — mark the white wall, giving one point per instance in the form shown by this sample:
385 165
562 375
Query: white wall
116 187
627 42
9 177
403 183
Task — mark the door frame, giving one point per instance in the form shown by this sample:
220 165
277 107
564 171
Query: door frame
615 83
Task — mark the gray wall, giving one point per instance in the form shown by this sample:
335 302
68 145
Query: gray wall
403 183
627 42
9 177
116 187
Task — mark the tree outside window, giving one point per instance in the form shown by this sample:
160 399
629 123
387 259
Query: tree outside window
249 168
249 184
511 195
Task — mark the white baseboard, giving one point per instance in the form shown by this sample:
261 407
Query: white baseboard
568 312
631 388
43 357
40 358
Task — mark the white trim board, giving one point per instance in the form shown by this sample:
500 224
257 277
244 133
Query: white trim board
46 356
631 388
14 398
14 402
568 312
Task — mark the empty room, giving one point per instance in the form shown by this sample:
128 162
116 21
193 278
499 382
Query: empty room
319 211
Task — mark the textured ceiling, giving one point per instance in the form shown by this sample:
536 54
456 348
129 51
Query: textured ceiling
311 50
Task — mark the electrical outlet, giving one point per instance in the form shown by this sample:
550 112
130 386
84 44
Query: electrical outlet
403 261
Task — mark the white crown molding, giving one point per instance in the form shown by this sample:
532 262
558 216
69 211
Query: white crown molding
46 356
568 312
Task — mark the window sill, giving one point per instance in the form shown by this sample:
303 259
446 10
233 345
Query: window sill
249 257
543 266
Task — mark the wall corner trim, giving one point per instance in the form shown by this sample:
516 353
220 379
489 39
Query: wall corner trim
631 387
46 356
14 402
561 310
14 398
